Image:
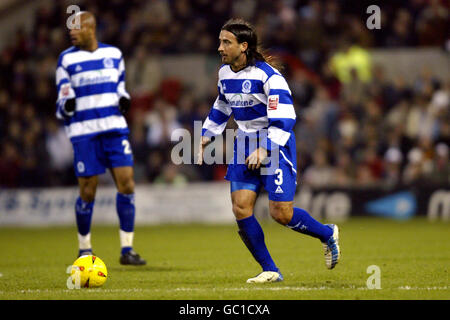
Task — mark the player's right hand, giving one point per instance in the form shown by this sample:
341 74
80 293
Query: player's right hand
203 142
256 159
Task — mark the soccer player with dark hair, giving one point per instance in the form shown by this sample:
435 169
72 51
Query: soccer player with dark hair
90 80
258 96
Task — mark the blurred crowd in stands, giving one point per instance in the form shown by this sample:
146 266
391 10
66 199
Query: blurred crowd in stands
355 127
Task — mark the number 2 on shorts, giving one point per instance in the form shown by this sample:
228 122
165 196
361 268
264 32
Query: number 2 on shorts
126 147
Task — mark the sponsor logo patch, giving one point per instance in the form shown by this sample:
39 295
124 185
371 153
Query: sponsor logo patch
273 102
65 90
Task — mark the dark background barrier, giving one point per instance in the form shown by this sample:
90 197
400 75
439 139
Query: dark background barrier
401 202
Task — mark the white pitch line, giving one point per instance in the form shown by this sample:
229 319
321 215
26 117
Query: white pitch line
423 288
290 288
142 290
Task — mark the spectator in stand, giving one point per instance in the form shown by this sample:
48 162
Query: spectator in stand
161 121
320 173
373 163
440 171
60 153
154 164
10 165
433 24
392 173
413 171
144 73
344 173
171 175
400 35
351 57
323 112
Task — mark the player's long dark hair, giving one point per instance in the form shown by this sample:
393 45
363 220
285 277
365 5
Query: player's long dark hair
245 32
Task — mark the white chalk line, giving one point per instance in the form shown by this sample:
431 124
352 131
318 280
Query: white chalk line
186 289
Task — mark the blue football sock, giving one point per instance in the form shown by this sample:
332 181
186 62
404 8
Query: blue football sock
126 212
84 251
125 250
304 223
83 213
252 235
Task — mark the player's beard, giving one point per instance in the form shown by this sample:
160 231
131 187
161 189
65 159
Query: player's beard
224 59
237 63
227 59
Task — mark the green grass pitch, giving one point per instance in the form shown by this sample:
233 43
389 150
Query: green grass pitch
210 262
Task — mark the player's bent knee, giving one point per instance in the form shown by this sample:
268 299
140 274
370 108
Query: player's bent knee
281 212
280 218
243 202
241 212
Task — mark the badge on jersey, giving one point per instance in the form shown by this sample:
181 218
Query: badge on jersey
246 86
108 62
80 167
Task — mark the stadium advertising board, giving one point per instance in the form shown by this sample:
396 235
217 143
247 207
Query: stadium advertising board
399 203
210 203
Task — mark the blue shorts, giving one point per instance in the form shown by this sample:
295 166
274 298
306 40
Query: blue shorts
93 155
280 183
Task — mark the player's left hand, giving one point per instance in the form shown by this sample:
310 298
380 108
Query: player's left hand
255 159
124 105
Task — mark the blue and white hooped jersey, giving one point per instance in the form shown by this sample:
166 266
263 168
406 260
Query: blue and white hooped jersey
97 81
259 98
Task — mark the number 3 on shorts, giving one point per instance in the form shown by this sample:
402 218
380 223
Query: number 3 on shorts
126 147
279 179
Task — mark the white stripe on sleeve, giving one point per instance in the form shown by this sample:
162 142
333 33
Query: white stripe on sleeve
278 135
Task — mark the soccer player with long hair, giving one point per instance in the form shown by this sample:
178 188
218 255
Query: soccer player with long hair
252 89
